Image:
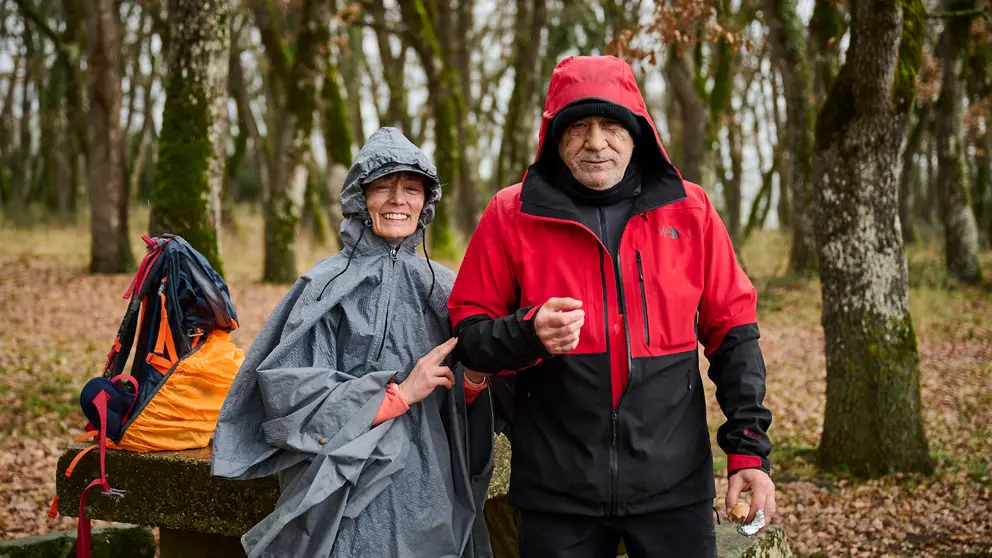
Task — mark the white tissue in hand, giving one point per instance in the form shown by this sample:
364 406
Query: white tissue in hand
756 524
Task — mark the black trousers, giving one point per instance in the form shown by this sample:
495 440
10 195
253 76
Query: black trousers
687 532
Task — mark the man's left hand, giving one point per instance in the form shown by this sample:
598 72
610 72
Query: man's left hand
762 490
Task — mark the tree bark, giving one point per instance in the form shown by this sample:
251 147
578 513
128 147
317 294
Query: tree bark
444 99
515 151
22 163
826 28
980 90
111 252
956 215
352 67
789 56
393 73
189 172
873 423
910 174
293 94
467 213
784 208
694 113
337 143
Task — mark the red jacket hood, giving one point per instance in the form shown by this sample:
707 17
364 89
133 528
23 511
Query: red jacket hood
594 77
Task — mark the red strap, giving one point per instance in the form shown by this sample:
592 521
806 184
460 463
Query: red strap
101 408
84 524
154 251
53 510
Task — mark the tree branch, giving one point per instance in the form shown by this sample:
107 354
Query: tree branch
277 56
30 13
399 31
984 12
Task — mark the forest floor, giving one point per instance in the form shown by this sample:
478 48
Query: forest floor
57 322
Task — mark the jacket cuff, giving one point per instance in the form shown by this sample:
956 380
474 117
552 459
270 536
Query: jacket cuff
472 390
393 405
738 462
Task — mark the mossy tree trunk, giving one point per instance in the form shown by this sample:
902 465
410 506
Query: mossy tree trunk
189 172
980 88
352 66
788 46
337 143
910 175
826 27
694 114
873 423
110 252
444 99
956 215
21 183
467 214
515 151
393 72
293 103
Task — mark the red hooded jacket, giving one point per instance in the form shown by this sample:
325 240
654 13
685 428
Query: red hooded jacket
617 426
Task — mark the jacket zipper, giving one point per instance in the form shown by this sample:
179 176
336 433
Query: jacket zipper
616 410
385 325
614 473
644 300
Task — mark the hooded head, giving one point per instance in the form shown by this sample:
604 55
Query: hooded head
386 152
603 87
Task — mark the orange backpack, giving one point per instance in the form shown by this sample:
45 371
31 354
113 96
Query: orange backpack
178 321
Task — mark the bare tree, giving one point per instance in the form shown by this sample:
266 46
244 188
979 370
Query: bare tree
956 215
111 252
789 57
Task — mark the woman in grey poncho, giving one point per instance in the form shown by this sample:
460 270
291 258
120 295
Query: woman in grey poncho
344 393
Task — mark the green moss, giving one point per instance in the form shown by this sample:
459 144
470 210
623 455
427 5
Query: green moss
128 541
337 129
826 23
281 218
180 198
873 423
166 489
723 77
910 54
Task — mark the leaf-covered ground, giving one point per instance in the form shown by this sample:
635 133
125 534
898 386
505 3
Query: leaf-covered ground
57 322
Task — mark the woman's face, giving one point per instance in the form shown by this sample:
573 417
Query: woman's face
394 202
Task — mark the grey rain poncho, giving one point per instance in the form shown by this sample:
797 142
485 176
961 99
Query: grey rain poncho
303 402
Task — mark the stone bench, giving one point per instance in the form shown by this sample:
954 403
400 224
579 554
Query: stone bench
200 516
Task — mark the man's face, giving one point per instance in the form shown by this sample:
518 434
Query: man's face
597 151
394 202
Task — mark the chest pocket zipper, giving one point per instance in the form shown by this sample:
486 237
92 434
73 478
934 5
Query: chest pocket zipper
644 300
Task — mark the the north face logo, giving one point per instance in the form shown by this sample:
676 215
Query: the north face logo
669 231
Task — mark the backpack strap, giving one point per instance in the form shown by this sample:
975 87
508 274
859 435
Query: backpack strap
137 290
83 523
164 355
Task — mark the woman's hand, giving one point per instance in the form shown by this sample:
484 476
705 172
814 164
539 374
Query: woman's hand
428 374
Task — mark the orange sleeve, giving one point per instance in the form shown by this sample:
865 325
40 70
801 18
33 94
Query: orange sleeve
393 405
473 390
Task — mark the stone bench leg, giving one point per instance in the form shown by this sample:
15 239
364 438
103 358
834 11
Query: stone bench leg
175 543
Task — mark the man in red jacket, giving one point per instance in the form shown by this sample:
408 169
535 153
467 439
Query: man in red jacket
594 280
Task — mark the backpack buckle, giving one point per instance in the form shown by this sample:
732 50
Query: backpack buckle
115 493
